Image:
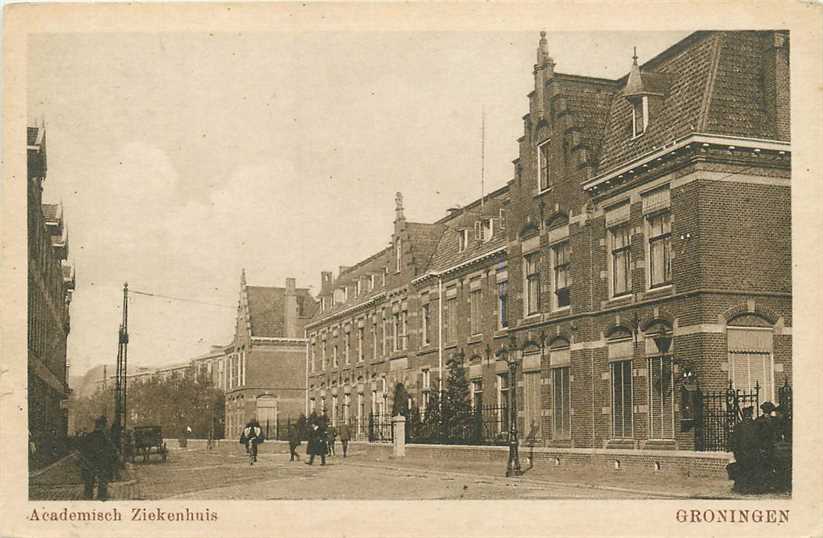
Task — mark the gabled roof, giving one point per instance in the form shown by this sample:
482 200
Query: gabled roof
424 239
267 309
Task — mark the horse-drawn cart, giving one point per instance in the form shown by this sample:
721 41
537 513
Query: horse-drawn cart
148 440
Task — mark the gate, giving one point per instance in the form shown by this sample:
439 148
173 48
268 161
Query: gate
718 413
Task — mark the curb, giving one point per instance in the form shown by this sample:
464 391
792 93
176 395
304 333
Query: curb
651 493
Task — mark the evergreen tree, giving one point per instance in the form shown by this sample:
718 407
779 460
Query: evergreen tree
456 408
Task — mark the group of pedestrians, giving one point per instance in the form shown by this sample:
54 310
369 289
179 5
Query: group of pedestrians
322 438
762 451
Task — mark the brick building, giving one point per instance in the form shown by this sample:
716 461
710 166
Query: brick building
264 368
644 240
50 286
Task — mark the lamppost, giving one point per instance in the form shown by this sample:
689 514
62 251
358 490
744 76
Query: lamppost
509 356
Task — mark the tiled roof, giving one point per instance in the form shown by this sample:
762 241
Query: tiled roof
738 89
424 239
689 70
589 101
448 254
266 311
715 84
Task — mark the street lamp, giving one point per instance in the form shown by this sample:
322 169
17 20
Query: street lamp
509 356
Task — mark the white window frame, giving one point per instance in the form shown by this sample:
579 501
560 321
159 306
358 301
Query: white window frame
347 348
334 359
425 322
476 311
360 356
612 232
529 309
503 285
612 366
540 165
462 240
503 400
767 356
486 229
476 389
647 221
643 105
554 250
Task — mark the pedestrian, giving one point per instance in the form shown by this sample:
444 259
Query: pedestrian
345 437
253 435
768 432
331 436
317 443
98 457
294 442
747 470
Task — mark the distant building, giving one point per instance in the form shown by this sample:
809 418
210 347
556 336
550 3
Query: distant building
264 373
50 285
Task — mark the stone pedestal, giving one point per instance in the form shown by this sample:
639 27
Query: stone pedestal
399 435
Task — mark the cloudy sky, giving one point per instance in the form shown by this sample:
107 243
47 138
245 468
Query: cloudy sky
182 158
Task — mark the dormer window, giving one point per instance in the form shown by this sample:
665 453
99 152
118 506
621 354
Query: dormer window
486 229
543 168
640 114
462 240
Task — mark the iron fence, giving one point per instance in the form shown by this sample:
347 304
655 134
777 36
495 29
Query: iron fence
380 428
484 425
718 412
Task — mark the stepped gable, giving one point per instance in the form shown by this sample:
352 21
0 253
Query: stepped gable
688 68
581 111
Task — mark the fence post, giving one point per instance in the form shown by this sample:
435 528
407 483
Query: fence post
399 436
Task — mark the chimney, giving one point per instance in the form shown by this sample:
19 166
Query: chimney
291 309
398 207
776 84
325 283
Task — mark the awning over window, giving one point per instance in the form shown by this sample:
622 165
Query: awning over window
749 341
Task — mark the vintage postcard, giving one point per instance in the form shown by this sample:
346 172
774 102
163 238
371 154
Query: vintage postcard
435 269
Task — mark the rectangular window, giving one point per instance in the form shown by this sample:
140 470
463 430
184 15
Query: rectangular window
477 394
561 257
347 349
621 378
386 328
404 327
395 328
661 397
374 407
640 115
313 356
531 405
544 170
621 259
426 385
486 229
503 402
532 271
334 362
660 248
462 240
334 410
475 300
426 321
374 341
750 361
450 328
503 304
360 344
561 403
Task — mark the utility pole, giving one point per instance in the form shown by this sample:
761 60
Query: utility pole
119 424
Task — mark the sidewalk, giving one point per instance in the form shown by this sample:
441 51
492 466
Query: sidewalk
665 485
61 481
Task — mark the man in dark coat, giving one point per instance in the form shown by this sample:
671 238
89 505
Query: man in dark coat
317 443
748 469
783 450
768 431
98 457
345 437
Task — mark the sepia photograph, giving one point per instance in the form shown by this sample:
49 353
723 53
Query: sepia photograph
408 264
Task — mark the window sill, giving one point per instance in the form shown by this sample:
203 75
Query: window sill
659 290
473 339
561 310
625 298
501 333
540 193
449 346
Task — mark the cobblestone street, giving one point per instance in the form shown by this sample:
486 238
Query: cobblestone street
226 474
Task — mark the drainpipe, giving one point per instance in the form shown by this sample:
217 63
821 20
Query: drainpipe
440 343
